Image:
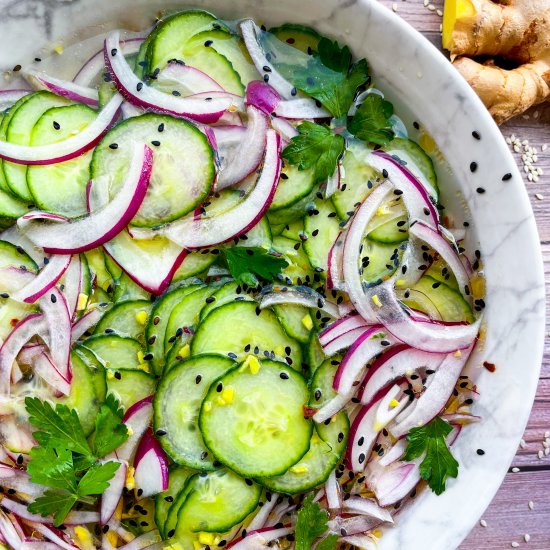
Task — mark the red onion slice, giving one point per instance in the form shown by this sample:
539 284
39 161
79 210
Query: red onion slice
299 109
333 182
335 275
367 507
259 538
394 453
344 341
262 96
394 482
85 323
96 64
236 167
19 480
51 535
18 337
188 80
284 128
333 492
151 467
72 284
68 148
341 327
147 540
396 363
64 88
372 342
446 251
335 405
260 519
138 418
138 93
103 224
366 542
352 525
44 367
302 296
44 281
192 233
111 496
9 97
9 532
31 544
58 322
432 401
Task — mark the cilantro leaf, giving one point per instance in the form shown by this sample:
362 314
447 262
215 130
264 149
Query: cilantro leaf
53 468
330 77
311 523
246 264
110 432
315 147
328 543
59 428
54 502
438 463
371 122
96 480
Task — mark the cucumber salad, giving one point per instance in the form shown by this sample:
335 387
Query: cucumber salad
233 311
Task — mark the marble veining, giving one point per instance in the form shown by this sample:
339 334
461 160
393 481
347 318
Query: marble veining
426 88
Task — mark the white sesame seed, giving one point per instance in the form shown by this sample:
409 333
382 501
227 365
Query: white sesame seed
545 444
531 505
483 523
546 452
536 114
544 147
535 158
515 544
394 7
426 2
515 470
431 7
526 537
516 149
522 444
525 142
526 117
546 434
540 171
540 454
535 178
526 169
440 13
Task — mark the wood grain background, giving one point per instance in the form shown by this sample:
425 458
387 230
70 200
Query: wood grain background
510 518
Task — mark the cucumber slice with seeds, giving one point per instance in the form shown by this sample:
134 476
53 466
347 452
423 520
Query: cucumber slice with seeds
241 328
298 268
177 405
181 178
300 37
117 352
126 319
20 122
379 260
229 292
321 232
294 184
61 187
130 386
253 420
292 317
14 256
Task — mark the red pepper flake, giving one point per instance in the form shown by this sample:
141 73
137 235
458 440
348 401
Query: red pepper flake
14 322
309 411
491 367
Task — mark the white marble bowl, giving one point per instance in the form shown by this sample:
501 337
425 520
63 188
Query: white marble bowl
426 89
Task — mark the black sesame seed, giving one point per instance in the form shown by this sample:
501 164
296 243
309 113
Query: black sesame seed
139 492
232 355
480 452
169 498
175 93
249 482
171 533
56 125
284 376
340 437
266 78
208 43
210 299
219 387
362 458
113 52
480 190
198 379
473 167
139 86
160 433
155 142
53 298
4 295
476 135
118 376
361 441
507 177
113 146
416 125
161 127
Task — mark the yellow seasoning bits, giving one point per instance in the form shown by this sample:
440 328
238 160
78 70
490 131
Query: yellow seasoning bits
252 363
130 481
141 317
299 469
82 301
376 300
185 351
307 322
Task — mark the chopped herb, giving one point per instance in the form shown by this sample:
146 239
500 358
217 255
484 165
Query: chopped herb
331 78
312 523
247 264
315 147
438 463
371 122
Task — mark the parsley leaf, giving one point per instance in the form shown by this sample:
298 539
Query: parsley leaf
54 502
110 433
53 468
371 122
311 523
246 264
96 480
330 77
328 543
438 463
59 428
315 147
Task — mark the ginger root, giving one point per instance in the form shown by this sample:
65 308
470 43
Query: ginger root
517 31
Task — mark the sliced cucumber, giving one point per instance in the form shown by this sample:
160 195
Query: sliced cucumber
259 235
284 216
130 386
126 319
328 444
61 187
96 262
117 352
301 37
292 317
293 230
15 256
415 159
239 328
177 478
379 260
11 208
439 301
21 121
177 405
298 268
88 388
232 48
229 292
253 420
194 264
356 175
158 321
294 184
390 224
321 383
125 287
181 178
184 317
321 232
11 312
315 354
216 502
439 271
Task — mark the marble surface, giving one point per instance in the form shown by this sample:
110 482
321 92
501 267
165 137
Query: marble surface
419 80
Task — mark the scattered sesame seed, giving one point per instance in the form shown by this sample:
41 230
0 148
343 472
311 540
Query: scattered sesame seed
515 544
531 505
526 537
515 470
483 523
538 196
540 454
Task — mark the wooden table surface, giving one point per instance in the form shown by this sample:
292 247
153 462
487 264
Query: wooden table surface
520 512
